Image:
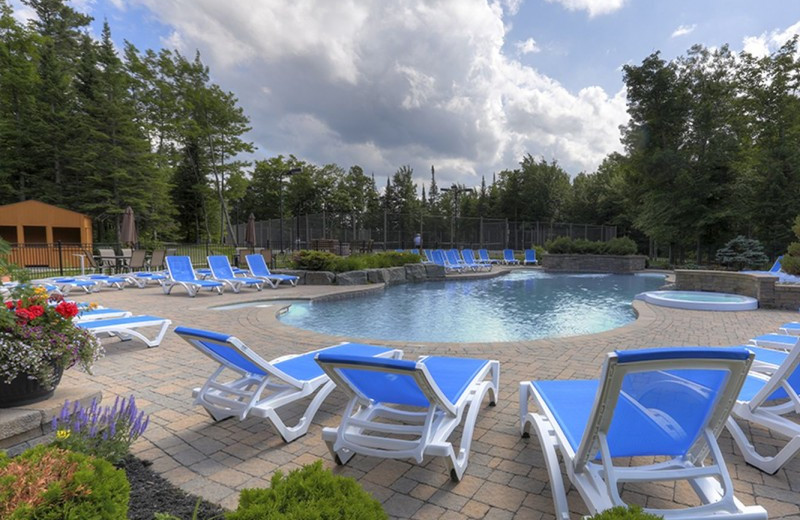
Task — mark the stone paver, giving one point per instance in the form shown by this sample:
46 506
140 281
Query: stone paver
506 476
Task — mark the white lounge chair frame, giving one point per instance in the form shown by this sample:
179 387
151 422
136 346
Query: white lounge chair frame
598 483
772 416
254 394
364 421
128 331
234 283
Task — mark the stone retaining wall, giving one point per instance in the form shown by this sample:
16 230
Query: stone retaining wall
763 287
593 263
390 275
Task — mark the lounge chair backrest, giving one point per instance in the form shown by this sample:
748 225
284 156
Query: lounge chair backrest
137 260
508 255
776 267
452 256
180 268
257 265
469 256
127 252
483 254
530 255
656 402
231 352
428 254
388 381
221 267
787 373
438 257
157 259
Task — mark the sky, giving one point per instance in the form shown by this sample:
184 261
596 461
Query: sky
468 86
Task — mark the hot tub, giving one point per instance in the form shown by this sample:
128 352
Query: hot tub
699 300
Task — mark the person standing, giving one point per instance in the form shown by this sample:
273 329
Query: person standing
417 241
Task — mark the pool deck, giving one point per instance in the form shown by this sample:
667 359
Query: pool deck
506 477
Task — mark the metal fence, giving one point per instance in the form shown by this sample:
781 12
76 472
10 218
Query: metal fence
360 232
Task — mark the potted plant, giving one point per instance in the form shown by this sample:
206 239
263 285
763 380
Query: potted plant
38 341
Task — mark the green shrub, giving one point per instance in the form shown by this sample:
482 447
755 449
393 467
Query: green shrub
324 261
625 513
791 264
49 483
581 246
308 493
742 253
621 246
540 251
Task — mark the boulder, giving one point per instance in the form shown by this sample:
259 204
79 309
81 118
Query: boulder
319 278
376 275
352 278
415 273
434 272
395 275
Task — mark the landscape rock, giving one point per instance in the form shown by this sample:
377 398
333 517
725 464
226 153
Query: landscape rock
319 278
395 275
352 278
376 275
301 275
415 273
434 272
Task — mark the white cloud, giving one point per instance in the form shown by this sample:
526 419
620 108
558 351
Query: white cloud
683 30
383 84
594 7
767 42
528 46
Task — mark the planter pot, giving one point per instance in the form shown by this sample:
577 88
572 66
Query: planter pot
21 390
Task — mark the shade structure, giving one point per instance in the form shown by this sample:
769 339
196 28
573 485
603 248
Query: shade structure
250 231
128 231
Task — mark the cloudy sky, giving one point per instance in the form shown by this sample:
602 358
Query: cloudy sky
466 85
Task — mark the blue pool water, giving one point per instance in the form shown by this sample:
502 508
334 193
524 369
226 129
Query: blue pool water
519 306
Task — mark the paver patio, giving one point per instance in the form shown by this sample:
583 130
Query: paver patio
506 477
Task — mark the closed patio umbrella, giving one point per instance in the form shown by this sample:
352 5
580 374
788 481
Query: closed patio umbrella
250 231
128 230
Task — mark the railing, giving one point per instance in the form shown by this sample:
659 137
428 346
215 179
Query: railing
391 231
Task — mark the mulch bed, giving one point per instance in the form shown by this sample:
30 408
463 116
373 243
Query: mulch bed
151 494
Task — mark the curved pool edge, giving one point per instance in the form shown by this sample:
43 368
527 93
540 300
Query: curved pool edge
664 299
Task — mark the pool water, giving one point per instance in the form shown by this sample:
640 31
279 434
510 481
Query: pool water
519 306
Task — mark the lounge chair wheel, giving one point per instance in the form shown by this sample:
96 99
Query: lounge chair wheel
526 435
492 403
337 460
454 475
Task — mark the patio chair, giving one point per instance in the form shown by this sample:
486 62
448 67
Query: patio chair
408 409
508 257
126 328
181 273
469 261
530 257
665 403
483 254
769 394
137 261
108 258
262 387
127 253
157 260
258 269
222 271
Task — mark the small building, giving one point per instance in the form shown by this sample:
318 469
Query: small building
44 235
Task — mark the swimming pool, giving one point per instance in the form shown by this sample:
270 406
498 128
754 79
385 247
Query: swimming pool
519 306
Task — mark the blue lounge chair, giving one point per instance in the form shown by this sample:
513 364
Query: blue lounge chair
453 259
508 257
668 403
222 271
483 254
469 261
530 257
770 393
126 328
181 273
772 340
428 255
117 282
262 387
142 278
101 314
408 409
258 269
65 285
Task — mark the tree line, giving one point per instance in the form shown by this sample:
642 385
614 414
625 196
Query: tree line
710 149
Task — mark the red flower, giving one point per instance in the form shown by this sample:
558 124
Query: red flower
9 305
67 309
24 314
36 310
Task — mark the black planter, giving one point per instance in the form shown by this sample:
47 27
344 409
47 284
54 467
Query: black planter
21 390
